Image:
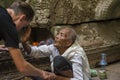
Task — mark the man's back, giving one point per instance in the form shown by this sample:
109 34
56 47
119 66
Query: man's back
7 29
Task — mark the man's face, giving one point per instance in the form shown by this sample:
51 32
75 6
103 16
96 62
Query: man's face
20 21
61 38
21 24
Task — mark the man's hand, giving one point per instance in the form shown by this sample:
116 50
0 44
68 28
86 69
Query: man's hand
48 75
25 36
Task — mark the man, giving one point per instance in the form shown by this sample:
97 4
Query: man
65 45
13 19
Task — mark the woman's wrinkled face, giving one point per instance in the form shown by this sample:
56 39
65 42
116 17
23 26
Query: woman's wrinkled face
61 38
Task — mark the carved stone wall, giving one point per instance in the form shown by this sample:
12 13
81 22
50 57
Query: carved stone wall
89 18
62 11
84 15
41 8
71 11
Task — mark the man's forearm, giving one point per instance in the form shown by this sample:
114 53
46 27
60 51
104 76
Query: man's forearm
33 71
26 68
21 64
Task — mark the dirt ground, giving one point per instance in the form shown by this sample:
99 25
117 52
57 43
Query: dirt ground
113 71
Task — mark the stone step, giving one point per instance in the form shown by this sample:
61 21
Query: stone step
112 54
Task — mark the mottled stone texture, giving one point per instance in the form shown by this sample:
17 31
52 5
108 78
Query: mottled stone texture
42 14
62 11
71 11
49 13
75 12
95 37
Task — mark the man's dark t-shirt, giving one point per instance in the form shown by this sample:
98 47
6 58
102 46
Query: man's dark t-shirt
8 30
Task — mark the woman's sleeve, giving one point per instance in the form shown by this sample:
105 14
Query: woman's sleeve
40 51
77 67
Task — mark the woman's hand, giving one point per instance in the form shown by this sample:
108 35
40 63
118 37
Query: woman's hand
48 75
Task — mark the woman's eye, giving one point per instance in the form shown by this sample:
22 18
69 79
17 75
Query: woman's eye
62 35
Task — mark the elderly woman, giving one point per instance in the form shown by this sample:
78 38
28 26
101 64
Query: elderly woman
65 45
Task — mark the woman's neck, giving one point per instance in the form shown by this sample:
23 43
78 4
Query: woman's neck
62 50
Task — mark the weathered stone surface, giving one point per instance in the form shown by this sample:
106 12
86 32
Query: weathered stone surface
62 11
78 11
41 8
107 9
71 11
95 37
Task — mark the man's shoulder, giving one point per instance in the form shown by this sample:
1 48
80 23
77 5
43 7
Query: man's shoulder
2 11
1 8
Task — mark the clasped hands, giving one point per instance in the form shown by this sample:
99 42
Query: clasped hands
48 75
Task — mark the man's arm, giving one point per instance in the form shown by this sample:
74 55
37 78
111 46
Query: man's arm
24 67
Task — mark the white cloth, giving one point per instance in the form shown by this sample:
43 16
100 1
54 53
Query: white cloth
75 54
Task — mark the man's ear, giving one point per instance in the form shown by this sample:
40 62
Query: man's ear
22 17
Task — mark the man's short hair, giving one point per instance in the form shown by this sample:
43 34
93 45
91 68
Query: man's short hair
23 7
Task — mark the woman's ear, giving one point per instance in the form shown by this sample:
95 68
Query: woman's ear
69 42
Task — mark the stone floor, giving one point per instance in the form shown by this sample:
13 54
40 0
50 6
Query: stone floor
113 71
